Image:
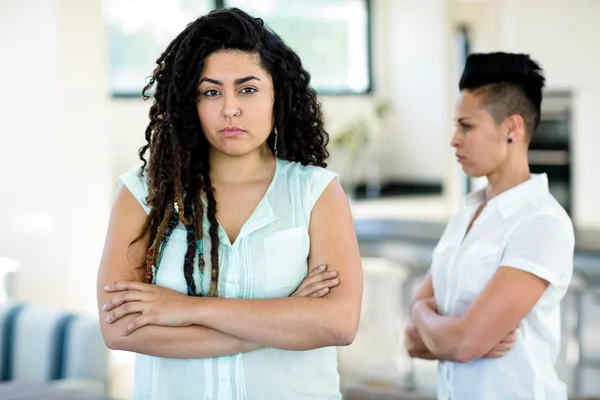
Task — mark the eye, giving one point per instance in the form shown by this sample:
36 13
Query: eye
248 90
466 127
211 93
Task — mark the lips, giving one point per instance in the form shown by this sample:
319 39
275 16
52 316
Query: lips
232 131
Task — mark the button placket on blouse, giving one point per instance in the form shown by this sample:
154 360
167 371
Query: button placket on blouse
225 367
458 244
456 257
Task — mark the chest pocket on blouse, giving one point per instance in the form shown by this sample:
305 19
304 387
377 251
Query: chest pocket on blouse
286 254
479 265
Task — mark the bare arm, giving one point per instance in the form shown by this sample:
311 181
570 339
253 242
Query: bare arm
414 343
120 262
302 323
412 339
506 300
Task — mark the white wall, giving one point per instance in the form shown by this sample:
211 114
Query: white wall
53 159
28 153
85 186
418 57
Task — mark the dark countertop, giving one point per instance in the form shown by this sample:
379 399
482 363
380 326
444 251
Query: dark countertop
412 242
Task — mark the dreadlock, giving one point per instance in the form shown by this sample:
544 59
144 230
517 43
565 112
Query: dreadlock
178 169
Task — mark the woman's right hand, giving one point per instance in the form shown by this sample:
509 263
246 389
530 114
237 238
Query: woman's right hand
504 346
317 283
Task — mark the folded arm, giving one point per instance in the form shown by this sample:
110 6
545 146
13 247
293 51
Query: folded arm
120 262
302 323
538 253
295 323
412 338
506 300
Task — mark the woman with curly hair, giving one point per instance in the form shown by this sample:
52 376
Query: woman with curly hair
222 248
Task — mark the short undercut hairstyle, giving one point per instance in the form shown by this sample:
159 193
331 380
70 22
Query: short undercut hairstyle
508 84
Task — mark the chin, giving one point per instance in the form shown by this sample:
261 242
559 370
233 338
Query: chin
236 151
472 172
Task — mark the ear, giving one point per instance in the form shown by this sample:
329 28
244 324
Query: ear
515 127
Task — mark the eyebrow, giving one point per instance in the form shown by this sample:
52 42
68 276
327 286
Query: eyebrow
238 81
462 120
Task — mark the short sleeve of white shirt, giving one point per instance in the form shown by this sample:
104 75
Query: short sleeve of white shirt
137 183
543 246
320 180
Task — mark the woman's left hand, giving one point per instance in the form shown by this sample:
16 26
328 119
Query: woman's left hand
157 305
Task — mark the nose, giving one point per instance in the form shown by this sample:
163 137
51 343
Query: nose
231 107
456 139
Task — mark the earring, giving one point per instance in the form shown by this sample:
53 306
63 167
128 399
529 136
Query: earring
509 140
275 143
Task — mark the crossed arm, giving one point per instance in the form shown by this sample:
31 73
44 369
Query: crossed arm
161 322
488 327
412 338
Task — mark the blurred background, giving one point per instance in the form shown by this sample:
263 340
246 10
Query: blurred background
387 72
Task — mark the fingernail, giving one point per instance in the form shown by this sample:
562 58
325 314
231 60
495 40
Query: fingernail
104 307
106 287
333 272
321 267
335 280
107 319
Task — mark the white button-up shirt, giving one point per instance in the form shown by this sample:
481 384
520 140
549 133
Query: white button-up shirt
524 228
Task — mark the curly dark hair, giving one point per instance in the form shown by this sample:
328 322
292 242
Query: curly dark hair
178 166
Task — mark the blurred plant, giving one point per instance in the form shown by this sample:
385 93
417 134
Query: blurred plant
362 130
353 142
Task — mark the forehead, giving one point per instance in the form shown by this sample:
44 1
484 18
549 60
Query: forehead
469 105
232 64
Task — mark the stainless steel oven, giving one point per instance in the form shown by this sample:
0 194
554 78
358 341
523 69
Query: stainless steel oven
550 148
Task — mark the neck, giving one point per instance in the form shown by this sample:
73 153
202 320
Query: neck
254 166
508 176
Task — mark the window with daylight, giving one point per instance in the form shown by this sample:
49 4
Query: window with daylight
332 37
